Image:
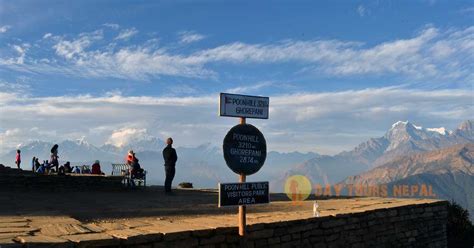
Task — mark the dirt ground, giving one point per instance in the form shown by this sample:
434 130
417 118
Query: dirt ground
62 215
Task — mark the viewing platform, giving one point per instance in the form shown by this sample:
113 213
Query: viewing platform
21 180
147 217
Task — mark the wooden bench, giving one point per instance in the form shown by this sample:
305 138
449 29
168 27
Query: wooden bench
124 171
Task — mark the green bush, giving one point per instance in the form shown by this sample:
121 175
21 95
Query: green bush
460 229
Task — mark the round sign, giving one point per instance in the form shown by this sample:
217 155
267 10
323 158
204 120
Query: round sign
245 149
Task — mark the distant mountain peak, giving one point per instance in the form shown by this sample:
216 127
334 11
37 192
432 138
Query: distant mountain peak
401 132
400 124
467 125
416 131
404 137
82 141
466 130
405 124
440 130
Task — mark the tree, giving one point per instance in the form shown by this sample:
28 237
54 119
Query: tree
460 229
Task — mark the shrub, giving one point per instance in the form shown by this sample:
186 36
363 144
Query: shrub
186 185
460 229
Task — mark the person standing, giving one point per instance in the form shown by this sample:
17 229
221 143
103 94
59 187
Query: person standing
54 157
170 157
37 164
18 158
33 164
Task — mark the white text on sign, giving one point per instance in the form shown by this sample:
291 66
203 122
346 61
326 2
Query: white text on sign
244 106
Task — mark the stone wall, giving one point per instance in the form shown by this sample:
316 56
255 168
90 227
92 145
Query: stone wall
422 225
14 179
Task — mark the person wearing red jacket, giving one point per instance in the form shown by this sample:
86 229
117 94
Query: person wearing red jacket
96 168
130 157
18 158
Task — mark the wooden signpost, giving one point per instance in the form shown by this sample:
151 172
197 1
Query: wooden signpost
245 151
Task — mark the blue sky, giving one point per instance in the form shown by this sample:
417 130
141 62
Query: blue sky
339 71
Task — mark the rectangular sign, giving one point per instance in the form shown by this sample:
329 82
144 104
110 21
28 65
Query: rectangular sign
239 194
243 106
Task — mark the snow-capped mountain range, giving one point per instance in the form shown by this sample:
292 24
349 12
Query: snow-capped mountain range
449 171
404 145
402 139
205 166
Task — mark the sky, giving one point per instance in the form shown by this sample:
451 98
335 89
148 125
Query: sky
337 72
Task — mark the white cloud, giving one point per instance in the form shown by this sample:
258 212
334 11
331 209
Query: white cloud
9 138
249 88
432 55
4 29
111 25
76 48
413 58
126 34
326 122
123 136
47 35
362 11
20 51
190 37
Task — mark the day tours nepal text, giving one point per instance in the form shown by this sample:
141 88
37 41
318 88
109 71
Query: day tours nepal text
382 190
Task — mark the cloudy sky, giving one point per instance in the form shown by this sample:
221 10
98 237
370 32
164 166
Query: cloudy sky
336 72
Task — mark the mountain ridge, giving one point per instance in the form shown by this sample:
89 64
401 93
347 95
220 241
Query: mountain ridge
458 158
403 138
448 171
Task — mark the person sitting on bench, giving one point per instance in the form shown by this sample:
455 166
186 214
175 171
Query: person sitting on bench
67 167
41 169
96 168
136 170
130 160
76 170
61 171
85 169
130 157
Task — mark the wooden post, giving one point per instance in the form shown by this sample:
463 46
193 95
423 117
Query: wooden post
242 213
242 209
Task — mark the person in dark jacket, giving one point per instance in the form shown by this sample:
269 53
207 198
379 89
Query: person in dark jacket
37 164
54 157
67 167
170 157
33 164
